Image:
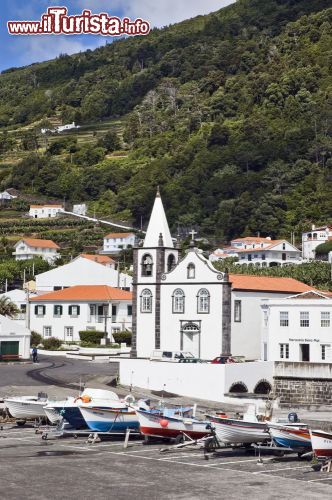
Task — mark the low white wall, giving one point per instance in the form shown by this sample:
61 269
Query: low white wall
203 381
303 370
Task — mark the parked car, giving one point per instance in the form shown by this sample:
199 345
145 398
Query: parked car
175 356
190 360
223 360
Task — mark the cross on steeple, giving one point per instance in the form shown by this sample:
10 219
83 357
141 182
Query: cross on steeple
192 233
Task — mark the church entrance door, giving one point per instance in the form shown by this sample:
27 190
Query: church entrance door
191 338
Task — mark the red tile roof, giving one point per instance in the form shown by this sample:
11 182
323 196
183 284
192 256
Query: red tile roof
267 284
84 293
48 205
101 259
37 243
253 239
118 235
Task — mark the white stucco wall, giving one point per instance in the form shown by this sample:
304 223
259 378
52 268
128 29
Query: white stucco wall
246 334
294 335
81 271
203 381
11 330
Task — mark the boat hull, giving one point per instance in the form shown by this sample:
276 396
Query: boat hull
170 427
321 443
25 408
290 437
109 420
233 431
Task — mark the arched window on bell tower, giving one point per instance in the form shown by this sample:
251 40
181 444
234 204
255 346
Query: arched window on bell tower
146 265
170 262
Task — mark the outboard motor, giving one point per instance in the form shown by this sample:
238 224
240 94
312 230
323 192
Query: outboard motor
293 418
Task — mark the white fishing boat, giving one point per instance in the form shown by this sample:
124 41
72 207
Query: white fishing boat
321 443
69 408
171 423
295 436
117 417
237 431
26 407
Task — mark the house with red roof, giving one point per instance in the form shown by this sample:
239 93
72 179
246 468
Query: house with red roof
63 313
28 248
259 252
46 211
115 242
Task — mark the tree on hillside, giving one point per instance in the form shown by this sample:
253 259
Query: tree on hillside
110 141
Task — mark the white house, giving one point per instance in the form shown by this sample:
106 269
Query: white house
264 252
5 195
298 328
59 128
45 211
80 209
247 294
115 242
14 338
313 238
82 271
64 313
177 304
28 248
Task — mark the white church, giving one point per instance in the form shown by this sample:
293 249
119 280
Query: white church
178 303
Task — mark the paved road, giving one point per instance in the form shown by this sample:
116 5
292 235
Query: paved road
58 371
64 468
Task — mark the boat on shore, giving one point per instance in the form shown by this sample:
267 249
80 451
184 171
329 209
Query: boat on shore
69 409
117 418
26 407
171 423
321 443
237 431
295 436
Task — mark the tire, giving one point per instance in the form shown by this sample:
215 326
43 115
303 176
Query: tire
20 423
210 445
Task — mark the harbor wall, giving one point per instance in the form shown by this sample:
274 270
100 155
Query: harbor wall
202 380
300 383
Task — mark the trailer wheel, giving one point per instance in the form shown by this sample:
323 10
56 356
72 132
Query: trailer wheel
20 423
210 445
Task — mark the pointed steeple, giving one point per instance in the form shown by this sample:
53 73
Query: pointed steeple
158 226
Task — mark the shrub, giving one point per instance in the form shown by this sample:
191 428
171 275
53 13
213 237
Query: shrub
35 339
122 337
91 336
51 344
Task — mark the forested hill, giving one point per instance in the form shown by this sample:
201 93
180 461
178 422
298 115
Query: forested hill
229 113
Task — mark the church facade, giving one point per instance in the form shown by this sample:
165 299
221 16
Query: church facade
178 303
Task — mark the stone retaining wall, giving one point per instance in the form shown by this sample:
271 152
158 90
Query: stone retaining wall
297 391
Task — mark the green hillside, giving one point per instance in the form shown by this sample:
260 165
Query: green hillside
229 113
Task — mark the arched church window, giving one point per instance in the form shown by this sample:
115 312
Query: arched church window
178 301
191 271
170 262
147 265
146 301
203 301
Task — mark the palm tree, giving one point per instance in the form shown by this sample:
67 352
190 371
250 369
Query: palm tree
8 308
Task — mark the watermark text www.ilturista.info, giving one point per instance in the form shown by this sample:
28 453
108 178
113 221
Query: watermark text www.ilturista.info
56 21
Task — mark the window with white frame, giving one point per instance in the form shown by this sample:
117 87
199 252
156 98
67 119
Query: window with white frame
69 331
324 349
203 301
57 311
178 301
47 331
74 311
304 319
146 301
284 351
40 311
237 311
283 317
325 320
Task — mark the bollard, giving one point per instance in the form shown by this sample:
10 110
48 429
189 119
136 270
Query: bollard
125 444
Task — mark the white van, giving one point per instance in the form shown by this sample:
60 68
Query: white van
175 356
